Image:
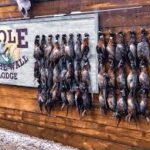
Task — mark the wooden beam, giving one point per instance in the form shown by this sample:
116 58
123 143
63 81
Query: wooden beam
73 139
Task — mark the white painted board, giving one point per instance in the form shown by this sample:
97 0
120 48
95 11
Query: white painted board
22 54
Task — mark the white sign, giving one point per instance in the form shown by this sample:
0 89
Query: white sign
18 46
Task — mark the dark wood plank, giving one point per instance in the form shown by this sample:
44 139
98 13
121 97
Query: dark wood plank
83 127
76 140
126 18
66 6
26 103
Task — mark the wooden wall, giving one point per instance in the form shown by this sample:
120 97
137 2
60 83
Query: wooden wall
18 107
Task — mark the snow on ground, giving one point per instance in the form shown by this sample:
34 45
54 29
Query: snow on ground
10 140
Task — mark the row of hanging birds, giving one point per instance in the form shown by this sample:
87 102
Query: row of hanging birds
125 95
62 71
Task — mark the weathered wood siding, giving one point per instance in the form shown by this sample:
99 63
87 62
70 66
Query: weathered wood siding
18 107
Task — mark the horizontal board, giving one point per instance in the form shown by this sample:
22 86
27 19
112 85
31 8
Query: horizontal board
67 6
5 3
23 54
28 93
85 130
94 115
44 120
126 18
80 141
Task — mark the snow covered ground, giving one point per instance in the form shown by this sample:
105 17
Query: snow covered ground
10 140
